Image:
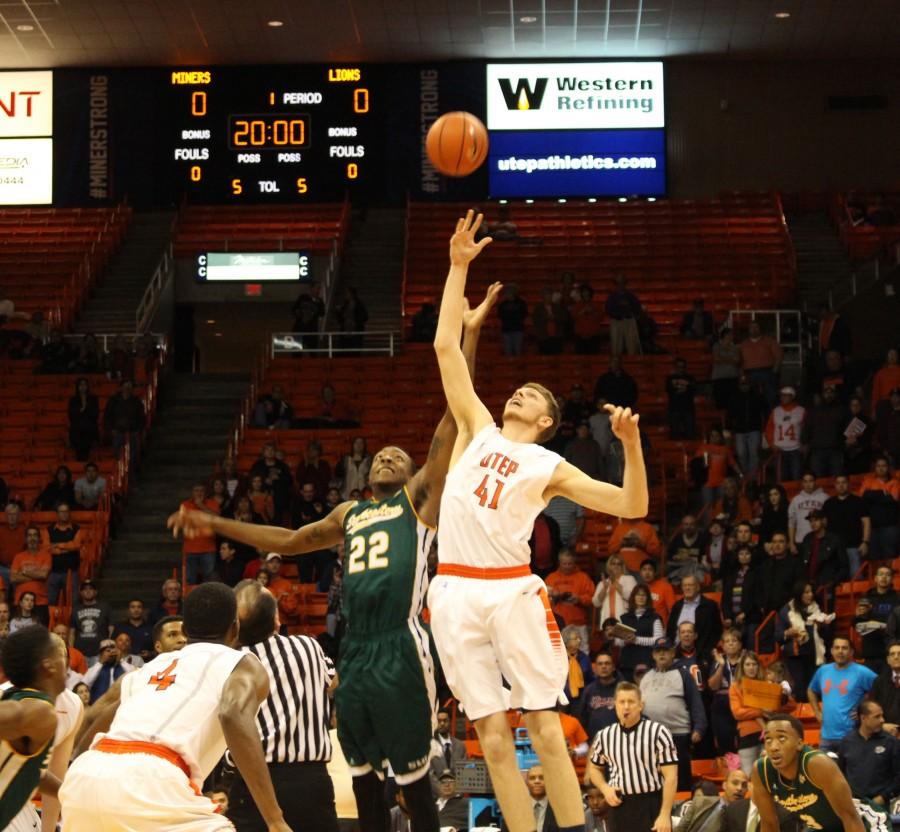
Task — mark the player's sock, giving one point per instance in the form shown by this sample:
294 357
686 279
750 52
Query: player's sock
423 814
370 804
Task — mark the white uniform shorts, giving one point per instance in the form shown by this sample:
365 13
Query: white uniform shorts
134 793
27 820
489 630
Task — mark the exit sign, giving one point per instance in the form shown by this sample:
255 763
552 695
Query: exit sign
253 290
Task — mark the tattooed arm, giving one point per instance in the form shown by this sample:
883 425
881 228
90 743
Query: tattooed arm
427 485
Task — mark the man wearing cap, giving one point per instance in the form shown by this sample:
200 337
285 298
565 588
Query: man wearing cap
91 622
824 556
784 433
810 498
101 676
671 697
453 808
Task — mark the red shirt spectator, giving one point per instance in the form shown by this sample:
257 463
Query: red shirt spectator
571 590
647 534
31 567
886 379
199 502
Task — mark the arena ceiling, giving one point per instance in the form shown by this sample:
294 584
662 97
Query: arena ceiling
60 33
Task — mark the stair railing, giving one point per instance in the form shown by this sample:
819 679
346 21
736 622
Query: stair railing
164 272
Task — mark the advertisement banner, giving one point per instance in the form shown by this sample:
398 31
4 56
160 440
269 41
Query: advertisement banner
26 171
26 104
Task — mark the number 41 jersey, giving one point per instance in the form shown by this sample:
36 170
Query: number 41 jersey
385 564
491 498
173 701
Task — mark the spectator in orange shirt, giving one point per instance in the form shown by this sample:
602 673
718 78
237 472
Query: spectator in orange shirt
644 531
881 494
761 359
29 572
886 379
718 458
261 499
12 540
661 592
200 552
576 736
736 507
77 661
571 590
278 586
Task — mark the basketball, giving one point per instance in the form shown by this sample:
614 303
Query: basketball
457 144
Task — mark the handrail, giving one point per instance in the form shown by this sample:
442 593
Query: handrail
379 342
759 629
405 260
163 273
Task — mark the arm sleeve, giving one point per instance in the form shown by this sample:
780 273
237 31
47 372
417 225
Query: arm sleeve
666 753
658 632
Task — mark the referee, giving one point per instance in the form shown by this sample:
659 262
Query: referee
642 767
293 721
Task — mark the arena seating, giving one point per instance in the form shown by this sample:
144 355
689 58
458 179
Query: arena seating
51 257
734 252
314 228
865 241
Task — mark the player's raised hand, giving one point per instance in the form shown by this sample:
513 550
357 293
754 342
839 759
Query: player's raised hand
624 423
474 318
190 523
463 248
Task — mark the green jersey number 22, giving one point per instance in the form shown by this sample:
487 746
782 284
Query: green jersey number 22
368 552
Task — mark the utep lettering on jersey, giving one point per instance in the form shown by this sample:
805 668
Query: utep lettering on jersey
504 467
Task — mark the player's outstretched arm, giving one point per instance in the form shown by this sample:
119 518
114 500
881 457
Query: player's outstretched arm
468 411
324 533
427 485
768 814
57 766
632 499
244 691
100 717
824 772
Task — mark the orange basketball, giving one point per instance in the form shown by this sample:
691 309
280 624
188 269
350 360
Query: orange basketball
457 144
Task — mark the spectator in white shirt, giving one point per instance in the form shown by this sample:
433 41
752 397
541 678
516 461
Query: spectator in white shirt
810 498
90 488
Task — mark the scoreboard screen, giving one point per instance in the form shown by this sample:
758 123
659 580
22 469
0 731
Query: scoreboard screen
292 134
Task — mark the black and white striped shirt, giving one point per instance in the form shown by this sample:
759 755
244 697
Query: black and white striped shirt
634 755
294 720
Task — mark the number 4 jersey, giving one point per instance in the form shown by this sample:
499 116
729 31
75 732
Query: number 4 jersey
491 498
173 701
385 564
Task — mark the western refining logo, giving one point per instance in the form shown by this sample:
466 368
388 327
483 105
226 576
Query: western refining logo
524 97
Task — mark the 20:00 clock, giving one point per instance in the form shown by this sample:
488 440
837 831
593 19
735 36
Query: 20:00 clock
268 131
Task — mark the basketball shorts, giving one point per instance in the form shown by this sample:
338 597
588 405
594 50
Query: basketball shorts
874 817
386 702
134 793
28 820
488 631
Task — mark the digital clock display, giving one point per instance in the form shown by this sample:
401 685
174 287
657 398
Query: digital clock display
270 134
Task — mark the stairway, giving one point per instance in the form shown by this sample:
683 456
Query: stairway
372 262
113 304
190 435
821 257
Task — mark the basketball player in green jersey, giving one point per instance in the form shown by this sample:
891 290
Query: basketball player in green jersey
37 669
386 700
807 783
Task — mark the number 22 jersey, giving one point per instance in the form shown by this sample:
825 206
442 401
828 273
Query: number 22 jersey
491 498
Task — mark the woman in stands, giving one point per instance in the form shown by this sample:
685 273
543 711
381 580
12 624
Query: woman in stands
750 720
261 500
799 629
84 411
24 616
733 587
353 469
219 493
774 517
642 618
60 489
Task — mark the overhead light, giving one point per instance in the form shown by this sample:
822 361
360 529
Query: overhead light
651 199
527 18
782 15
210 320
502 201
561 201
529 202
24 27
592 199
623 199
275 24
218 334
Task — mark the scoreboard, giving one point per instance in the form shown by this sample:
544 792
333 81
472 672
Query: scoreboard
292 134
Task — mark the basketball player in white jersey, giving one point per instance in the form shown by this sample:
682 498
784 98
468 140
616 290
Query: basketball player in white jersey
175 717
69 713
490 616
